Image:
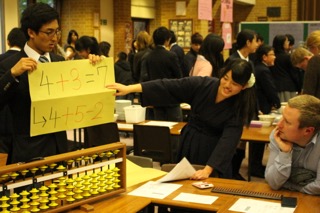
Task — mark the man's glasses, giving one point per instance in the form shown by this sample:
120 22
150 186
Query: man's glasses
51 33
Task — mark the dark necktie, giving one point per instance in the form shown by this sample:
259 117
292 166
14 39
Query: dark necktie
43 59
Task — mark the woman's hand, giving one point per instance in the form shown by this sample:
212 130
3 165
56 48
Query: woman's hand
202 174
284 145
120 89
123 89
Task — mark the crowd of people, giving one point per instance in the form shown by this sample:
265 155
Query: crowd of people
225 95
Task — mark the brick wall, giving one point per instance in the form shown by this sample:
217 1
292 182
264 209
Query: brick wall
78 15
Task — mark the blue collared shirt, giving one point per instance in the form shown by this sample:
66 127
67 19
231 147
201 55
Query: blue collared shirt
280 163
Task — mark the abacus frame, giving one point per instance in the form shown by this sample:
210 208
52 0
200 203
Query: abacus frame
119 160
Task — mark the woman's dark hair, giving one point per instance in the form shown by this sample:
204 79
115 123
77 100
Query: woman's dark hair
87 42
71 32
291 39
104 48
278 42
246 107
211 49
35 16
261 51
244 36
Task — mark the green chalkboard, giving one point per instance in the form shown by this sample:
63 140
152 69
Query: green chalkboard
269 30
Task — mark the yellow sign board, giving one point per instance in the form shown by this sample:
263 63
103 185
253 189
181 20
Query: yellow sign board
70 94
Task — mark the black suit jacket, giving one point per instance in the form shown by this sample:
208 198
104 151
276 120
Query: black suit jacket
5 115
266 89
161 63
15 94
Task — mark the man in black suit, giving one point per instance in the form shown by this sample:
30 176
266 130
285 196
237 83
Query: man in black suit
174 47
159 64
15 40
40 24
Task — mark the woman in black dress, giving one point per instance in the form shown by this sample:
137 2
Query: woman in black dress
219 110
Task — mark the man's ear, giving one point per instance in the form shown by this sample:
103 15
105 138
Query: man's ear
309 130
31 33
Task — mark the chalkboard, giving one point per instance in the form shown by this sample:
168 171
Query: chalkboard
299 30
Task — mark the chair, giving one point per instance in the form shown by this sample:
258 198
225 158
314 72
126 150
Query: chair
153 142
102 134
141 161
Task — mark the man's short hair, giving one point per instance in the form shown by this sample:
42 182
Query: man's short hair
243 36
161 35
35 16
16 38
299 54
309 107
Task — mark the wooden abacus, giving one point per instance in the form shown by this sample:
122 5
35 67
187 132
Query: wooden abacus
64 181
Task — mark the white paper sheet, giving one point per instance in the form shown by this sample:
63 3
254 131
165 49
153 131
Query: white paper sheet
154 189
125 126
183 170
194 198
254 206
161 123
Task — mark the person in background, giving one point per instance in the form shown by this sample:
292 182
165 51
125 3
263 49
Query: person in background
246 44
260 41
300 58
286 77
294 160
219 110
191 56
161 63
73 36
209 59
143 48
40 24
312 75
16 41
132 52
71 53
174 47
104 48
291 43
267 100
87 45
122 70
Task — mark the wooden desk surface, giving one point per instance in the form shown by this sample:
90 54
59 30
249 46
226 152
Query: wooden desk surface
257 134
175 130
127 203
249 134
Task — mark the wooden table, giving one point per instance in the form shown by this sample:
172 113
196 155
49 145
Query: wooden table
251 135
126 127
255 135
127 203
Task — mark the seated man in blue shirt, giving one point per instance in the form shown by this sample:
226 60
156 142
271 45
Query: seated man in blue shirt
294 160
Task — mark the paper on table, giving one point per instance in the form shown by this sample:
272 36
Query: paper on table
183 170
194 198
254 206
155 190
161 123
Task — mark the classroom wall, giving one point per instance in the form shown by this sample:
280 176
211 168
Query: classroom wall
78 15
11 18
